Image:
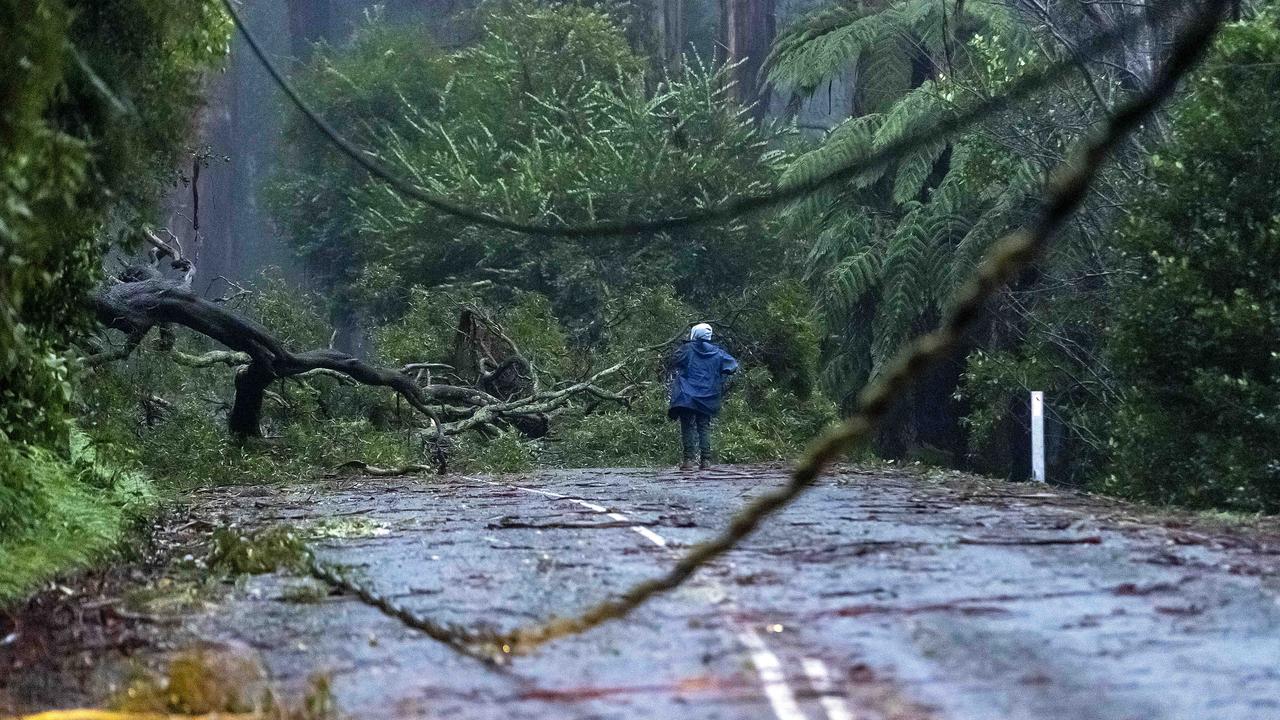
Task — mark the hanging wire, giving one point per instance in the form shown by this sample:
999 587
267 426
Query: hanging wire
1019 90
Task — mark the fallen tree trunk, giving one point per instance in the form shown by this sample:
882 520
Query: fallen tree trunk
141 300
136 307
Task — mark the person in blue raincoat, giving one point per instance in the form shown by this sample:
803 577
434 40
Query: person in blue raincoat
699 369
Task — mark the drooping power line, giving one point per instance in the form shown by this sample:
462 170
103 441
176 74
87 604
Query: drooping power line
1019 90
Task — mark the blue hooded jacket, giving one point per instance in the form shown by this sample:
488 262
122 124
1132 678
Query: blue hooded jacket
700 367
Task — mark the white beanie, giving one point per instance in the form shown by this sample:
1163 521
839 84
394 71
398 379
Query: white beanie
701 331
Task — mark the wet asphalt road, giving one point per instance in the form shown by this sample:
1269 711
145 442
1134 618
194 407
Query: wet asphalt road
878 596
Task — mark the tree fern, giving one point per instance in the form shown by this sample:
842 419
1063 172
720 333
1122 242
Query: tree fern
847 367
914 171
848 142
881 43
888 250
822 45
852 279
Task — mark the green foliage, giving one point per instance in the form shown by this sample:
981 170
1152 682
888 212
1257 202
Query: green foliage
762 421
888 250
88 128
59 514
237 552
508 452
643 318
638 436
530 323
996 386
363 90
887 46
43 173
1193 336
296 317
894 244
784 337
548 116
426 329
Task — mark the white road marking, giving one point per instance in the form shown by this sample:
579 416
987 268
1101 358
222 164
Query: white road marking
768 667
772 678
548 493
650 535
830 699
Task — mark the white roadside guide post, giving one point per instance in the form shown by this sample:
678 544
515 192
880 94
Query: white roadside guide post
1037 436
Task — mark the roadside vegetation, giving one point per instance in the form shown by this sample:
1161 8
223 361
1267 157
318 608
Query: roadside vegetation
90 133
1150 326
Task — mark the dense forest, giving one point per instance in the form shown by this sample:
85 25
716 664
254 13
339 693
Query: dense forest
402 335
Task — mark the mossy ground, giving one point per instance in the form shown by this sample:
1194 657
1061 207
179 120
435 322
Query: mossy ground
238 552
215 679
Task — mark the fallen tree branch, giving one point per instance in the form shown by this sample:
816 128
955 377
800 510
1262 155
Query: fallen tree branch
142 299
131 343
211 358
1086 540
375 471
426 366
145 300
537 404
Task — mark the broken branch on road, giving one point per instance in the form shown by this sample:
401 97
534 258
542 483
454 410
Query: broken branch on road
509 523
1086 540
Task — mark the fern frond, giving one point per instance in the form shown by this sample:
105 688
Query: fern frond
919 24
883 76
851 281
917 109
847 369
994 220
851 140
914 171
907 295
848 233
822 45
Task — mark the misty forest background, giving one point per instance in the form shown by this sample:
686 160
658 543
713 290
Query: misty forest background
1151 326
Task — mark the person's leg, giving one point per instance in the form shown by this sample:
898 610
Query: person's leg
704 438
687 441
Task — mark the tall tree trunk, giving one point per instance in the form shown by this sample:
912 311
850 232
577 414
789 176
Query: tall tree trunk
245 418
1136 55
672 32
309 21
747 29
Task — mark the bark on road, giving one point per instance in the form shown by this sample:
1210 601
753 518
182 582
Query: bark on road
880 595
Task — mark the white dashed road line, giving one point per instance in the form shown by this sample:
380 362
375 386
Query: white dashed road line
782 699
772 678
642 531
828 696
650 535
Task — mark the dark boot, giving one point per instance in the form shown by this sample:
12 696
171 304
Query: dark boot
704 464
686 466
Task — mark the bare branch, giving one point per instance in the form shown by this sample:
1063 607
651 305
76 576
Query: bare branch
132 341
211 358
